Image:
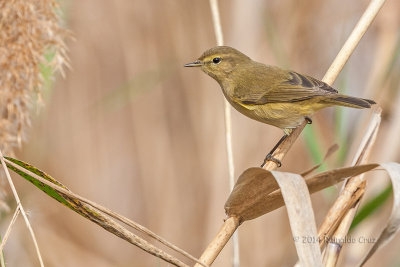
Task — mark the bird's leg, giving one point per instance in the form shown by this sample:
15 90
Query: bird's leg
308 119
269 156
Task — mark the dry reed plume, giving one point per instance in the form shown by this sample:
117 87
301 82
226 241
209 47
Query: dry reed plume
29 30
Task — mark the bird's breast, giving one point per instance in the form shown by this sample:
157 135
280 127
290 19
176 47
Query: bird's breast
281 115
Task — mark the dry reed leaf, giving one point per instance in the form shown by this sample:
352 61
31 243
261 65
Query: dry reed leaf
393 223
332 177
340 215
301 217
59 192
330 151
256 192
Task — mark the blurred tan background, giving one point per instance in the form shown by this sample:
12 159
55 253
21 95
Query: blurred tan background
133 130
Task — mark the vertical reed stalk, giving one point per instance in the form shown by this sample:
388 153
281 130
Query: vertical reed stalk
228 125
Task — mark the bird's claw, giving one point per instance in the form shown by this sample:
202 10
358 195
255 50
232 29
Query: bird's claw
269 157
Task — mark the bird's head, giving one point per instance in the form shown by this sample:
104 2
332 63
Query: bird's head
219 62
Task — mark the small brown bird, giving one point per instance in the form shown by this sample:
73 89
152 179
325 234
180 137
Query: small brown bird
270 94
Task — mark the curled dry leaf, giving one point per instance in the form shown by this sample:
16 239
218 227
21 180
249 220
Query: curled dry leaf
248 198
256 192
301 217
393 223
259 191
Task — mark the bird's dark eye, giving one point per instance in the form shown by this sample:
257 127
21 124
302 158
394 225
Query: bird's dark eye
216 60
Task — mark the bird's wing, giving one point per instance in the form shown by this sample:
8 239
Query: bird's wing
274 85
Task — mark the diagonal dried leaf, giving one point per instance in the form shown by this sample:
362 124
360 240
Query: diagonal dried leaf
319 182
56 190
301 217
329 178
330 151
393 223
249 195
256 192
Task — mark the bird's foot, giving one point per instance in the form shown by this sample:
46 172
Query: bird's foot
269 157
308 119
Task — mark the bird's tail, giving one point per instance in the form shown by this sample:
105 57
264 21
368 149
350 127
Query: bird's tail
349 101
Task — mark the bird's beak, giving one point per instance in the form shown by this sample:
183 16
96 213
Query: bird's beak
196 63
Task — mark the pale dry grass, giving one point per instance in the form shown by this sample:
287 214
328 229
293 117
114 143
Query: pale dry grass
31 39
